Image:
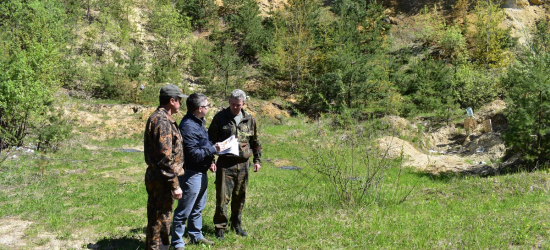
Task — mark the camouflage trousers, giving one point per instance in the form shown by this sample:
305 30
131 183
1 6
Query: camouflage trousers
159 210
231 183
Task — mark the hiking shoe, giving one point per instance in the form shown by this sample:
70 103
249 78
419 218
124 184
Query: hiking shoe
220 234
240 231
202 241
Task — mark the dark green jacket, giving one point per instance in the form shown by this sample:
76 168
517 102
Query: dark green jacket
223 126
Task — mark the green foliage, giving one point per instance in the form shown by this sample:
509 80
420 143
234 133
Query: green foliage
350 71
453 44
433 25
475 87
32 35
202 63
448 38
333 60
201 12
353 168
228 73
135 64
290 56
171 49
245 24
427 85
53 131
528 92
491 42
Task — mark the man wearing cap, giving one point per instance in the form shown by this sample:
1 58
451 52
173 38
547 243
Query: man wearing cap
232 171
199 155
163 152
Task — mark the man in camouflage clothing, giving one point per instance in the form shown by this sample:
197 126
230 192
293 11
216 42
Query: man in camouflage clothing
163 152
232 171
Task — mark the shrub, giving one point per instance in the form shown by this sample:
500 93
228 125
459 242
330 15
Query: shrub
528 92
32 34
355 169
491 42
454 44
171 48
475 87
201 12
53 131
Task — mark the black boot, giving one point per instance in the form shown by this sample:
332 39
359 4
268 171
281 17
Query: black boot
220 234
240 231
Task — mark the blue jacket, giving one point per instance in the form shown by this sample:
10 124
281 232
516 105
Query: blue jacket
198 151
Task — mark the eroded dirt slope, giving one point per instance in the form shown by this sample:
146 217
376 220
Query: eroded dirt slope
451 148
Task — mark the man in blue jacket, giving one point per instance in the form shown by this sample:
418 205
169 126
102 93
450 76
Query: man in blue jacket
198 153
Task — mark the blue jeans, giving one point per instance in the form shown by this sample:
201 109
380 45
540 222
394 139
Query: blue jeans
190 206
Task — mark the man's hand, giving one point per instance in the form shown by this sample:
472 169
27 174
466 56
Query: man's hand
176 194
257 167
213 167
219 147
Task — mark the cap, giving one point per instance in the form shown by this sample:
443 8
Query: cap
171 90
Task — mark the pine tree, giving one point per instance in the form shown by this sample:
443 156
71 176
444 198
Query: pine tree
491 41
528 100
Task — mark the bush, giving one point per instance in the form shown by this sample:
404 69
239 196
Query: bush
171 48
52 132
528 92
201 12
355 169
426 84
202 63
491 42
32 33
454 44
475 87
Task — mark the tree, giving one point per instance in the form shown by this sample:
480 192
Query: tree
228 66
32 33
201 12
290 55
349 70
245 25
171 49
491 41
528 91
461 10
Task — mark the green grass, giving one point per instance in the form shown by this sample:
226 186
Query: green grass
100 194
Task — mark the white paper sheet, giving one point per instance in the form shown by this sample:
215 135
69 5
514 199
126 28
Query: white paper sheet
231 146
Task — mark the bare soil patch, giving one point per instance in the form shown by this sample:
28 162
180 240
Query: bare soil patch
13 236
105 121
451 148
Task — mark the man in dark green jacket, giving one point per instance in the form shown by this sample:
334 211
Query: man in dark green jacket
232 170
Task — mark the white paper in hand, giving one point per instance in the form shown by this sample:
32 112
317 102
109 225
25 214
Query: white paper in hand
231 146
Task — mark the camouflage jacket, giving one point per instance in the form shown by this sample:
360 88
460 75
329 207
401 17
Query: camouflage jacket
163 147
223 126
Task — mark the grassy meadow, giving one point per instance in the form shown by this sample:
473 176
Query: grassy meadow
93 191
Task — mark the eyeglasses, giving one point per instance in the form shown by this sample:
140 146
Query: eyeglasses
206 106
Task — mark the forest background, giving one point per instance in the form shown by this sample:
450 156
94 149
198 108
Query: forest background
340 57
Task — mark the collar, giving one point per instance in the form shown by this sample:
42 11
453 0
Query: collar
244 113
169 117
192 116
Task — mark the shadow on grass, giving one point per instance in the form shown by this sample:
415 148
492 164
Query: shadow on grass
133 242
442 177
481 171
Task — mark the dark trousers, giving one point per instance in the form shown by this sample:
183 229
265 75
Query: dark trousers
231 184
159 210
